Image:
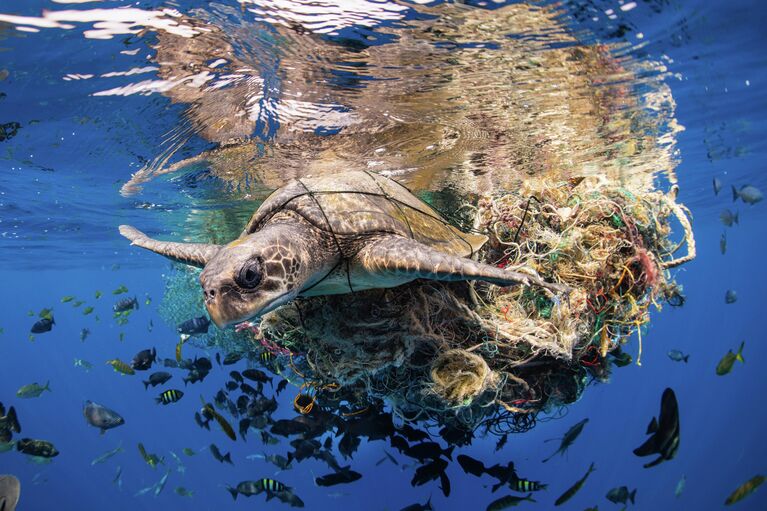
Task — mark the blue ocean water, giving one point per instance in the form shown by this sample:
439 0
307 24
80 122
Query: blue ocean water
62 179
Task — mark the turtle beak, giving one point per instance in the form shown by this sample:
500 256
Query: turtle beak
215 314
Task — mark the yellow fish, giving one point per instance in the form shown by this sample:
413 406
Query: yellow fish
120 366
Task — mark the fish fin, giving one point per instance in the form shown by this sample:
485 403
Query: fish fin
495 487
739 355
632 495
649 447
146 385
735 194
48 386
686 358
652 427
158 400
735 219
427 506
233 491
228 458
14 420
449 452
654 462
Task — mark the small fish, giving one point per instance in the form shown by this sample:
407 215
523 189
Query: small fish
748 194
723 243
98 294
147 299
188 451
169 396
508 501
665 432
266 357
78 303
144 359
151 459
725 365
232 358
567 440
728 218
87 310
84 333
118 480
107 455
256 375
417 506
345 476
38 448
43 325
161 484
126 304
678 356
730 296
7 446
717 185
571 491
744 490
621 495
120 366
194 326
524 486
67 298
120 290
180 468
183 492
33 390
281 386
158 378
231 385
84 364
680 486
101 417
221 458
501 442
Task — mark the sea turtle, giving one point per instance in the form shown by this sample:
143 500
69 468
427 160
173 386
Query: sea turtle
330 235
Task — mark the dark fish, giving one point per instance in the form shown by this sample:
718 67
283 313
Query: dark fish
220 400
412 434
621 495
327 456
348 445
249 488
236 376
10 489
524 486
126 304
665 432
202 364
288 427
150 459
419 507
169 396
248 389
304 449
428 472
717 183
268 439
279 461
101 417
169 362
567 440
281 386
202 423
620 358
256 375
43 325
232 358
678 356
399 443
568 494
144 359
194 375
289 498
730 296
723 243
219 457
9 424
41 448
507 502
748 194
158 378
84 333
194 326
470 465
728 360
501 442
744 490
231 385
429 450
343 477
456 435
728 218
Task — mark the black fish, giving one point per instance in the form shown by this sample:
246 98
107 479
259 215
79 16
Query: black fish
570 437
248 389
144 359
419 507
456 435
256 375
249 488
281 386
202 364
194 375
304 449
279 461
399 443
169 396
9 424
428 472
345 476
41 448
268 439
126 304
236 376
504 473
665 433
43 325
202 423
501 442
327 456
348 445
289 498
101 417
194 326
170 362
507 502
621 495
158 378
429 450
470 465
220 458
412 434
231 385
232 358
286 427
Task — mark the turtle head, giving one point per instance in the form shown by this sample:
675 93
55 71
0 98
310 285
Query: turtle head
255 274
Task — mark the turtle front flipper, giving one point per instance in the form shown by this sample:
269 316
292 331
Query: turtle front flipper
398 257
193 254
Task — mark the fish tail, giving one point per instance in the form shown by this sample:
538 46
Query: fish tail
158 400
48 386
427 506
146 385
686 358
228 458
233 491
632 495
449 452
735 194
739 355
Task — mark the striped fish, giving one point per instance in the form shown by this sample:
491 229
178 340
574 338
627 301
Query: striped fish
267 357
270 485
525 486
169 396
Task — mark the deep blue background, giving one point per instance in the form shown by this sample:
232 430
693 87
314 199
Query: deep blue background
713 48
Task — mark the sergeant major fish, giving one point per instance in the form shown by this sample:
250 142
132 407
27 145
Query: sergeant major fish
169 396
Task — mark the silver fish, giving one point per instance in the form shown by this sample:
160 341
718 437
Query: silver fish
730 296
748 194
717 185
728 218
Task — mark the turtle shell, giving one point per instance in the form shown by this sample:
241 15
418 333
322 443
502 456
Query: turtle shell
364 204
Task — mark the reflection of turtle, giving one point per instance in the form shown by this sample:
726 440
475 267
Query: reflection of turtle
330 235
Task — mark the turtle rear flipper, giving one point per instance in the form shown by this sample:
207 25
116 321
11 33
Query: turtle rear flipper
402 257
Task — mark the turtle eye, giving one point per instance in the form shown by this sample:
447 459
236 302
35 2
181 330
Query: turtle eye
250 275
